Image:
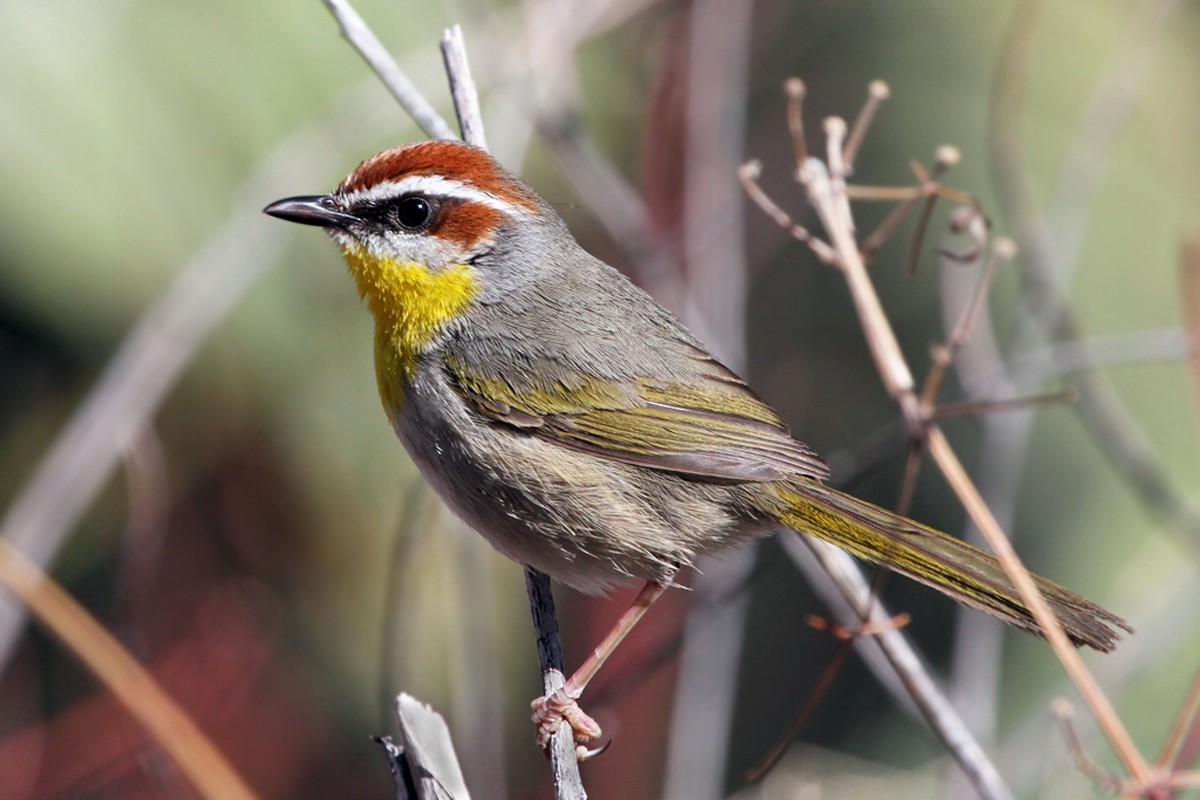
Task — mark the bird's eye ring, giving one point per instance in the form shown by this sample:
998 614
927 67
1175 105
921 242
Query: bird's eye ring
413 212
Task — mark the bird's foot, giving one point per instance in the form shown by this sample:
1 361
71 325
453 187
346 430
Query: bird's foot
551 711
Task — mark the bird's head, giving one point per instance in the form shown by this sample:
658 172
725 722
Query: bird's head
431 223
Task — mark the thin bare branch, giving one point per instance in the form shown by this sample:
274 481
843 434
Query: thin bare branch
172 728
977 654
1186 720
462 87
1002 252
979 408
846 636
748 175
918 239
794 89
893 369
1089 690
912 471
889 226
563 757
885 194
927 189
1186 779
1064 713
835 134
818 691
877 93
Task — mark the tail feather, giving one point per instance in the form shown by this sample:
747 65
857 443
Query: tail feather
949 565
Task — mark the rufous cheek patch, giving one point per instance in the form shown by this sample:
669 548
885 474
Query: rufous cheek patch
466 223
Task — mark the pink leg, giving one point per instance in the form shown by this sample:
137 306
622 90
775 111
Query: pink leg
549 712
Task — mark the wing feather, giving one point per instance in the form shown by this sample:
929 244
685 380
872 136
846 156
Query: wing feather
712 427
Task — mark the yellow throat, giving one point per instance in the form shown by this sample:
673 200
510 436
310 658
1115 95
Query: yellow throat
411 303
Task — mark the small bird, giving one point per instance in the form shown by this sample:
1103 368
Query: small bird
577 424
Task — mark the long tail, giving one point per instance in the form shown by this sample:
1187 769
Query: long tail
949 565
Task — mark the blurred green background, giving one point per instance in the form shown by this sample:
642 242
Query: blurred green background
279 530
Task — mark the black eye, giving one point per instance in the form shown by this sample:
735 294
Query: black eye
413 212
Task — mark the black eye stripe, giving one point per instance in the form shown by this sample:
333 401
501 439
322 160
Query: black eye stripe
409 212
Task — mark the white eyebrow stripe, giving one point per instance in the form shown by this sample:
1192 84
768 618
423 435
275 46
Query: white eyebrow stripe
435 185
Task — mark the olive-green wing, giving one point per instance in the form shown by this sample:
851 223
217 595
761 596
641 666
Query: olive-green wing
711 427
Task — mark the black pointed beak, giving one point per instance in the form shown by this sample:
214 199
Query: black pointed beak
311 210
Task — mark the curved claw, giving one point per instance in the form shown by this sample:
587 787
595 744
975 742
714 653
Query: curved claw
551 711
583 754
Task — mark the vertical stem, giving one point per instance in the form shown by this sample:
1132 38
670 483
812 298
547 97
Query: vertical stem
462 87
567 783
